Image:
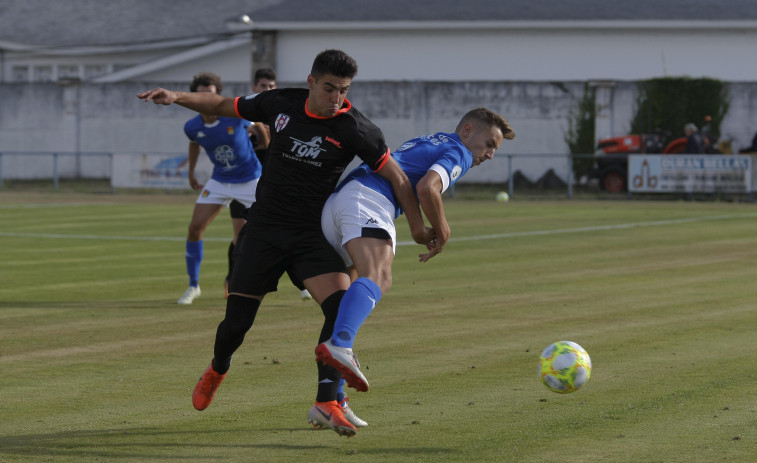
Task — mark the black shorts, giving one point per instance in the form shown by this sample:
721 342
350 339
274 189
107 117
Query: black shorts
237 210
264 253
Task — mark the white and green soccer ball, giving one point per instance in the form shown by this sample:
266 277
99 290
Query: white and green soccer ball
564 367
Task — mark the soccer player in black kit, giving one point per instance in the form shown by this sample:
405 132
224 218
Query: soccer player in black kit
315 133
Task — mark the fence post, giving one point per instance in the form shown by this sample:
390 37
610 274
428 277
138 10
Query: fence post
55 171
112 188
570 176
510 175
1 170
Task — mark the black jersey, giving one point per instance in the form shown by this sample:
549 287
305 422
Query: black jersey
307 154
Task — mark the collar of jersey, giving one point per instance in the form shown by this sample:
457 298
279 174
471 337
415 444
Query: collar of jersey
346 106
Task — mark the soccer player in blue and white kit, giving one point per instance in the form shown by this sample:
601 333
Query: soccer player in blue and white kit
236 170
358 220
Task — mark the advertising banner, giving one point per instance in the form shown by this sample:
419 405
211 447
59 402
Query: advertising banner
677 173
164 171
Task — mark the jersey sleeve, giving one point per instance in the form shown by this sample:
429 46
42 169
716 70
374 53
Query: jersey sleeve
249 107
373 150
188 131
451 165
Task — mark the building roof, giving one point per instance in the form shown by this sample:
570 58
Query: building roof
507 10
92 23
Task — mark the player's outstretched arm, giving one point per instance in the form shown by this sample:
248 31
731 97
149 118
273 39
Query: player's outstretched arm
403 191
202 102
429 190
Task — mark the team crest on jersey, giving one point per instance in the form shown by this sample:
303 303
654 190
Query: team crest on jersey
230 130
281 121
456 172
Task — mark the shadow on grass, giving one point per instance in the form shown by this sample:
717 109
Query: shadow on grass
153 444
87 304
121 304
144 443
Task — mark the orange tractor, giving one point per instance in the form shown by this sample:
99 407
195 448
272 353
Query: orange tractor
611 166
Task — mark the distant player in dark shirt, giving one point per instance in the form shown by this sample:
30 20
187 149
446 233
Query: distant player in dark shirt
315 134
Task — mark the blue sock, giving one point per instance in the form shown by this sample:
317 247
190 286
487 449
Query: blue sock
356 305
194 259
340 395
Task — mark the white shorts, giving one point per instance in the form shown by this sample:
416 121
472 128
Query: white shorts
354 209
215 192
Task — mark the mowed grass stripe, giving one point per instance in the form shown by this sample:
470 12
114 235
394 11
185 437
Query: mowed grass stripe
100 365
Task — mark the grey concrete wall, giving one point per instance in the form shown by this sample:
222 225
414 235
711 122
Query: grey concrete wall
109 118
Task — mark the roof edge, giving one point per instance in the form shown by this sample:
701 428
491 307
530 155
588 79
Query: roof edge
178 58
492 25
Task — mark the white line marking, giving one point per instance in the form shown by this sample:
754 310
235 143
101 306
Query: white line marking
39 206
558 231
620 226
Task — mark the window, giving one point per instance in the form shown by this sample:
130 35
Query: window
43 73
120 67
20 74
94 70
68 71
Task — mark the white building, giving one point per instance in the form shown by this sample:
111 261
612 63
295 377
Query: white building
441 40
539 49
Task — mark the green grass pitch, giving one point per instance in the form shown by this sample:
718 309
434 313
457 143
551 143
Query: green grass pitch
98 361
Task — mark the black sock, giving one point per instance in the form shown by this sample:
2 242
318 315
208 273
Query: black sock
240 314
328 377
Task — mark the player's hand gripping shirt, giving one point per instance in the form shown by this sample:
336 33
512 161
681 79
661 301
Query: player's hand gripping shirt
441 152
307 154
228 146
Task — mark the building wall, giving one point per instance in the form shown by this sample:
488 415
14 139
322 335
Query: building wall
109 118
624 53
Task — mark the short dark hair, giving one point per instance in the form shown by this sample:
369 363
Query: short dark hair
490 118
206 79
264 73
334 62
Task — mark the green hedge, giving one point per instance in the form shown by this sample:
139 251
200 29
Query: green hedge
668 103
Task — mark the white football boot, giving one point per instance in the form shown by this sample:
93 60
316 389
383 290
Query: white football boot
344 360
192 293
350 414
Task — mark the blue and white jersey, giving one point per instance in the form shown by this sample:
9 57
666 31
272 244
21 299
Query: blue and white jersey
441 152
228 146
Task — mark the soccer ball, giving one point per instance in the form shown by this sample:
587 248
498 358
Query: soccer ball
564 367
503 197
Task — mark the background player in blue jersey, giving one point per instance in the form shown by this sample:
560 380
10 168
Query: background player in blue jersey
362 230
236 170
315 134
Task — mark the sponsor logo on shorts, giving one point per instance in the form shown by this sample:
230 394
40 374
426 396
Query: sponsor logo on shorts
372 220
205 193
